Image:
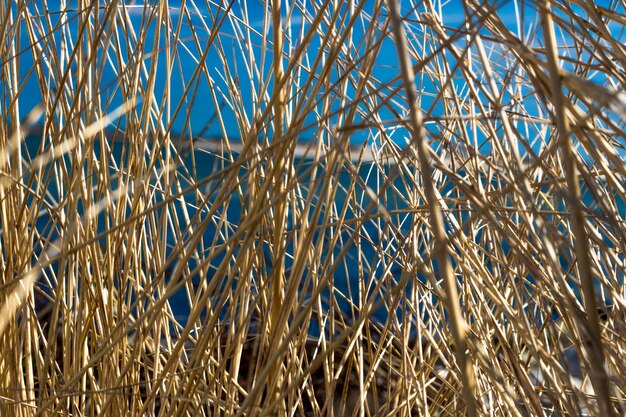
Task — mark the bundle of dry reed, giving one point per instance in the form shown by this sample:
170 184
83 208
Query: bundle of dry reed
467 259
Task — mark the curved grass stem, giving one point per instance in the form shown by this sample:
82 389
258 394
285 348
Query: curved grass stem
591 326
456 321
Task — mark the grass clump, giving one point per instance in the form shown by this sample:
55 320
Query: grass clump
312 208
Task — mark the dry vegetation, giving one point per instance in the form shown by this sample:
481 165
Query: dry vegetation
147 271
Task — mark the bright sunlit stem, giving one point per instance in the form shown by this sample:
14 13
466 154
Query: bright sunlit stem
598 375
278 265
456 321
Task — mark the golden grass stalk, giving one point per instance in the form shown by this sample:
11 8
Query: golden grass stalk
599 377
456 321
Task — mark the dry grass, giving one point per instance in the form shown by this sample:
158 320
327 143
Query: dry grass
146 271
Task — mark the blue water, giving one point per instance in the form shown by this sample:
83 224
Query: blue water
201 120
198 103
345 277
